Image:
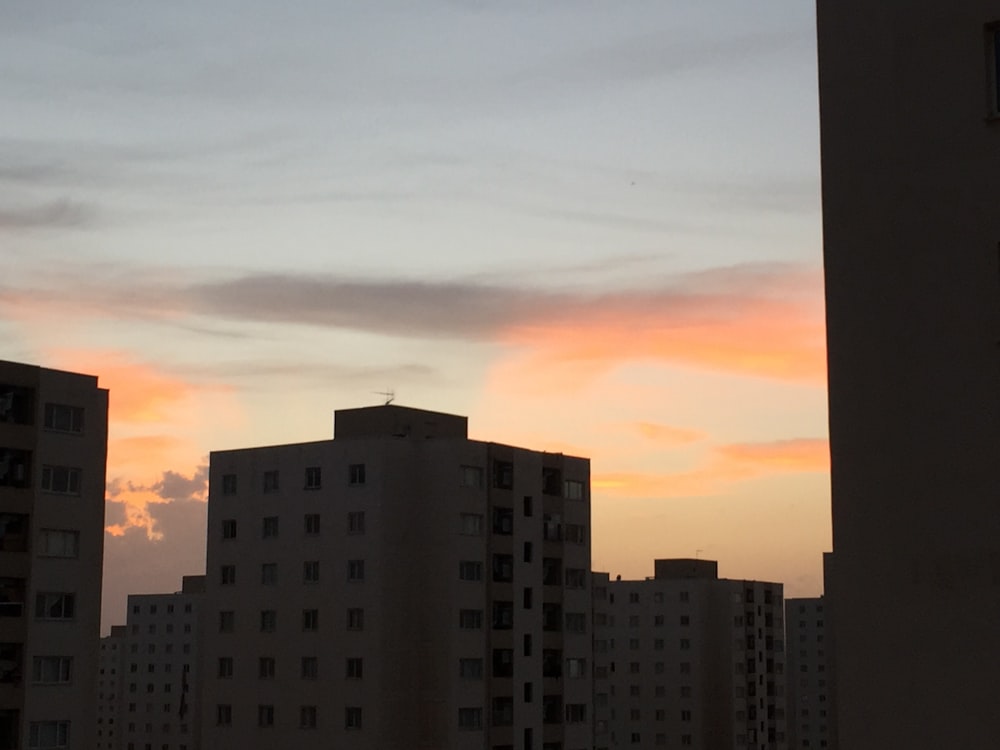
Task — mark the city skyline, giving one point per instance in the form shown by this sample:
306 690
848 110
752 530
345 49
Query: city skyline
592 230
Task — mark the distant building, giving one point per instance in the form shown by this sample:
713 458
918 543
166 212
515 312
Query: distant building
810 715
53 450
398 587
910 135
688 660
161 701
111 689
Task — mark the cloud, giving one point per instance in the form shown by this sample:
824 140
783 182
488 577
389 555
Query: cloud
724 466
176 486
667 435
59 214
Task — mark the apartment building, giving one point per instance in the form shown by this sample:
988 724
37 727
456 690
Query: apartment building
53 452
810 712
160 708
398 586
910 126
687 660
110 688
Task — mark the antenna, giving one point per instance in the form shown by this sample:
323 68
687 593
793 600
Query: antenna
389 395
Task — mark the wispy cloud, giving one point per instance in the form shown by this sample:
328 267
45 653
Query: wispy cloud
57 214
667 434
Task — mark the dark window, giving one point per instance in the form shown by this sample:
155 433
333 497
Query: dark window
64 480
503 615
503 521
63 418
551 616
552 709
356 522
314 477
354 668
551 662
310 668
15 467
229 528
312 523
271 481
503 711
228 484
17 405
310 620
551 571
227 575
551 481
55 606
355 619
355 570
503 475
356 474
503 568
269 530
503 662
352 717
470 570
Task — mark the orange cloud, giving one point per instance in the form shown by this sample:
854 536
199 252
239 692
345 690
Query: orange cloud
139 392
668 435
801 454
728 464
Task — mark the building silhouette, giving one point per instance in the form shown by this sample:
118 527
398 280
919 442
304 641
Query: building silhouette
53 449
399 586
687 660
910 137
810 717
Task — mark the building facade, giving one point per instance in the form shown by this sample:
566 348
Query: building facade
111 688
399 586
53 454
910 121
687 660
160 708
810 712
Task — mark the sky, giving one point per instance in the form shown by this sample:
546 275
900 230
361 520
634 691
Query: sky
590 226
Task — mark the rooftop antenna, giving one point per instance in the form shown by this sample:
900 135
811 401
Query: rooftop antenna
388 395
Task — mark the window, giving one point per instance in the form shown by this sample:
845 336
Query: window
470 669
227 621
355 619
470 570
55 606
266 668
551 481
310 571
227 575
229 528
576 533
552 527
471 476
552 709
503 662
312 524
470 719
354 668
269 574
310 668
528 692
356 522
527 552
355 570
576 712
576 668
503 711
64 418
551 571
503 475
64 480
503 521
470 619
271 480
228 484
307 717
48 734
269 528
356 474
527 506
573 489
503 615
268 620
57 543
551 662
225 667
314 477
265 716
51 669
576 622
352 717
503 568
576 578
472 524
685 644
526 597
551 616
310 620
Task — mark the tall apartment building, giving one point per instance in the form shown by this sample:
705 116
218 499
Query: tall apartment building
160 707
398 587
53 449
111 688
810 713
910 120
687 660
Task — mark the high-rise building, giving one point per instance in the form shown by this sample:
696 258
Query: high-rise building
161 698
398 587
810 714
688 660
53 450
111 689
910 121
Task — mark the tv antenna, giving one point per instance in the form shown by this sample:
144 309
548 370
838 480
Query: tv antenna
388 395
